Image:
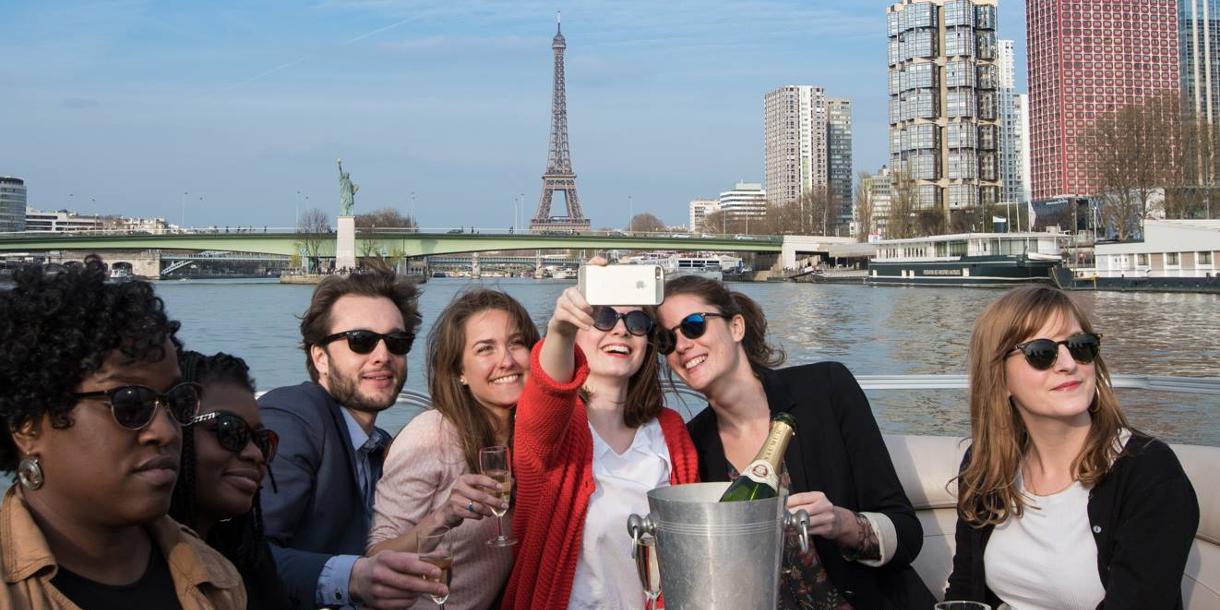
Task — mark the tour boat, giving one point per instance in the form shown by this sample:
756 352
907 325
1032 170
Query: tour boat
967 259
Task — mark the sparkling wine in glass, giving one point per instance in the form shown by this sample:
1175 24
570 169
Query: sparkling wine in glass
434 549
495 462
647 568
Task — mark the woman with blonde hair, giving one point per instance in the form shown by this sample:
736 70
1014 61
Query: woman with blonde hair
1061 504
478 361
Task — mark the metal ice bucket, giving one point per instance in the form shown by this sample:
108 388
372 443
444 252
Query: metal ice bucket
715 555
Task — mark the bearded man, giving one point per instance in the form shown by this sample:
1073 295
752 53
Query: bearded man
356 335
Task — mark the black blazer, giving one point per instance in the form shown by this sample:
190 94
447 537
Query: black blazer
1144 515
838 450
318 511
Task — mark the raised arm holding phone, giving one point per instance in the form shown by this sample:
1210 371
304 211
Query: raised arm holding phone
592 438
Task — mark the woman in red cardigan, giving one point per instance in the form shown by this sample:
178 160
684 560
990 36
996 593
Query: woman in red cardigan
591 439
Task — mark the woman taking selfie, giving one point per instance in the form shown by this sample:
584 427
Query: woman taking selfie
225 452
865 530
1060 503
592 438
92 403
478 361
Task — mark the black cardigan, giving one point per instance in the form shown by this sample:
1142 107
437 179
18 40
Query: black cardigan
837 450
1144 515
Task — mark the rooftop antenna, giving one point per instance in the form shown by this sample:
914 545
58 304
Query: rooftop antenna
558 24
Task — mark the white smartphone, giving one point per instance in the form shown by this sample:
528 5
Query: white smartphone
622 284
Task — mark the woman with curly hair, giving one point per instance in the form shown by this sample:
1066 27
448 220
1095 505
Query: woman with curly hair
225 453
92 403
1061 504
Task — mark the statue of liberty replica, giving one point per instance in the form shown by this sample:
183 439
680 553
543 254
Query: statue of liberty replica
345 246
347 192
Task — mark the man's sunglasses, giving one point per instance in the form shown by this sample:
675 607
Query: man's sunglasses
692 326
133 406
233 433
365 341
637 322
1042 353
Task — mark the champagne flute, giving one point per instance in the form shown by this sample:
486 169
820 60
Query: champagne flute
648 569
434 549
496 463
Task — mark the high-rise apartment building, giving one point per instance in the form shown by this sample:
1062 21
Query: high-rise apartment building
699 209
1087 59
1199 56
838 161
12 204
794 142
1011 153
943 104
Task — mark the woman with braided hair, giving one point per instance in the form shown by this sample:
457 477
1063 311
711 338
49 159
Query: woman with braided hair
225 452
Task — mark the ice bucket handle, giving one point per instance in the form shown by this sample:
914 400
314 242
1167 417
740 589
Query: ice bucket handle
638 526
799 521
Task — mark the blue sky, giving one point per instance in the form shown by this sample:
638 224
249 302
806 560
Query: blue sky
121 107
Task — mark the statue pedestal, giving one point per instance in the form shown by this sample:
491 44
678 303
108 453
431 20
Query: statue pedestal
345 249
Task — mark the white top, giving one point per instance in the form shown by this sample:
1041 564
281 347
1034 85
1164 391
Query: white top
605 572
421 467
1046 559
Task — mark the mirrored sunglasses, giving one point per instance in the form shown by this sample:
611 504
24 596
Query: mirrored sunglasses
692 327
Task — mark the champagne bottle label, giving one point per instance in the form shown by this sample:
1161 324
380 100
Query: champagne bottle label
760 471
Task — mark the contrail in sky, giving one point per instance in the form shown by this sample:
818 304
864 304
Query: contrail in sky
302 58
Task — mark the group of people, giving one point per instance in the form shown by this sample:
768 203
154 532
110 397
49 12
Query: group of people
150 476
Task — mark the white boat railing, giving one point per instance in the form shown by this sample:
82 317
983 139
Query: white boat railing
1157 383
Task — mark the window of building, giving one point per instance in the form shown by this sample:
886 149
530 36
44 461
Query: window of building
1203 258
1141 260
1171 259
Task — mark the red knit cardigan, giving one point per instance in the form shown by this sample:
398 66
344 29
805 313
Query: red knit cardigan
553 468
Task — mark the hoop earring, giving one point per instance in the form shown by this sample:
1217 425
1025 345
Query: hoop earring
29 473
1096 406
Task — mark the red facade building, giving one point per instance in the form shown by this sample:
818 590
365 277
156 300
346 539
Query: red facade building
1087 58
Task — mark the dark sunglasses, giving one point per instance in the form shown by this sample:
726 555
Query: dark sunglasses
365 341
233 433
133 406
637 322
692 326
1042 353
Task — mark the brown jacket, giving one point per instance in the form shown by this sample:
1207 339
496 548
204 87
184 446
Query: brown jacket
203 578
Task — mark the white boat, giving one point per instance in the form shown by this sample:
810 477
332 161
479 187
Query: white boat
679 265
967 259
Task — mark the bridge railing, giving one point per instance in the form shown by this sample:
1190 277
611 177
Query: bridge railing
382 231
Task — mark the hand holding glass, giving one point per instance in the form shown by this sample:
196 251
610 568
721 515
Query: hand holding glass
496 463
434 549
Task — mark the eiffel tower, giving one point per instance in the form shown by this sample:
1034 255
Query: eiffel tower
559 177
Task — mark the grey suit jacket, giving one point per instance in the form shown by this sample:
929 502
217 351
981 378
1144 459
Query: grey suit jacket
318 511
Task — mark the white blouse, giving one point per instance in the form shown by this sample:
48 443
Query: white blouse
605 573
1046 559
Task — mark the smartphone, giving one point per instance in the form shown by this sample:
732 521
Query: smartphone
622 284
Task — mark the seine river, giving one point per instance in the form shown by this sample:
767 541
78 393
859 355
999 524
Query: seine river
882 330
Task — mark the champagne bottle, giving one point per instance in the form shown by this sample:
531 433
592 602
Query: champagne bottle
760 480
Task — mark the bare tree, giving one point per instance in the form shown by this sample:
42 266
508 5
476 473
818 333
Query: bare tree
814 207
1136 153
385 218
314 227
646 223
900 223
864 207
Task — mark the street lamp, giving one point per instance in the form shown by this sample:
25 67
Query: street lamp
631 215
414 218
182 202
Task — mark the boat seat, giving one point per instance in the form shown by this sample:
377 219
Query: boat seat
925 464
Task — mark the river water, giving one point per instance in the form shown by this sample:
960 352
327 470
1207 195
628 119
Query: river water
873 330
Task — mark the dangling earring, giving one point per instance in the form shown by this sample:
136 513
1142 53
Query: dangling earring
29 472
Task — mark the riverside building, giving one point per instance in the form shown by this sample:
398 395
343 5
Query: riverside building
1014 131
699 209
12 204
1122 52
747 201
1199 56
795 130
943 101
838 160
